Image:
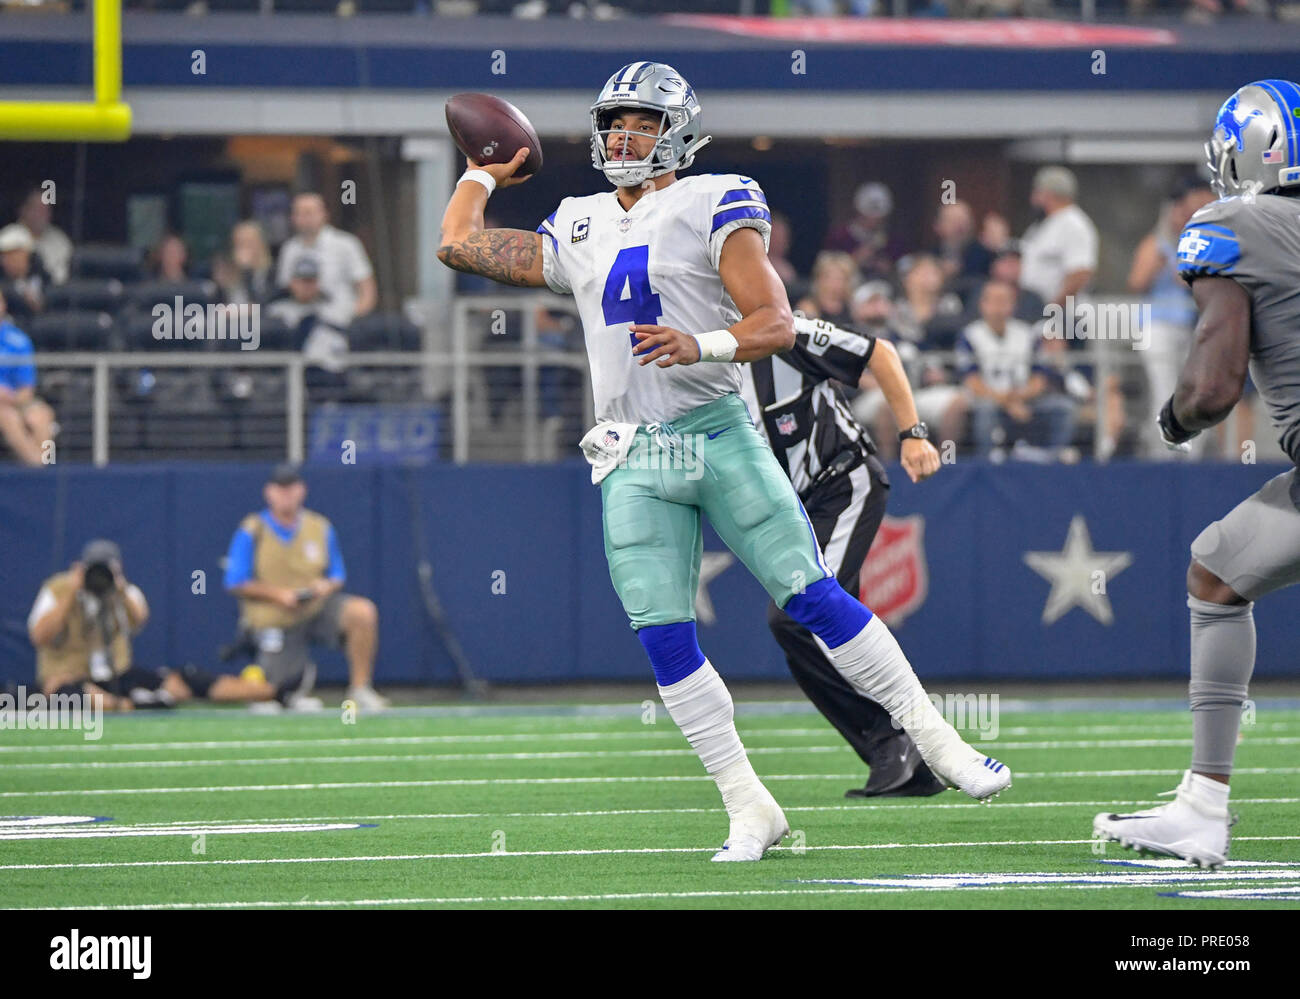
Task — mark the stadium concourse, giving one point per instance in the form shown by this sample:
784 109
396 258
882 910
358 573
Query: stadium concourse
236 371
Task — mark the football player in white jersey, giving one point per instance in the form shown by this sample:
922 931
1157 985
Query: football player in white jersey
674 288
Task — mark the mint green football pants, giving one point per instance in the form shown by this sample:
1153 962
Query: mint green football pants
711 461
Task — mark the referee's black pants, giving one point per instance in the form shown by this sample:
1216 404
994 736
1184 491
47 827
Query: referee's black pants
845 513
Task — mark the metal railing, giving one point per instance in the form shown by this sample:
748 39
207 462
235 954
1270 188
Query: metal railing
494 335
449 373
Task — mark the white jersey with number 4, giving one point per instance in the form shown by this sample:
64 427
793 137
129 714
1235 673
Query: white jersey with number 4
657 263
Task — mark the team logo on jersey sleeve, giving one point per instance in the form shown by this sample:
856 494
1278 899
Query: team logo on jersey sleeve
1207 249
580 228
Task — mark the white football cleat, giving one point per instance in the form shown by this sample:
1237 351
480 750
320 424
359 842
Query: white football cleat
1188 828
758 827
980 776
368 699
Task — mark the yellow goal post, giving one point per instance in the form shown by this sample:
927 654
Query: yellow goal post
106 119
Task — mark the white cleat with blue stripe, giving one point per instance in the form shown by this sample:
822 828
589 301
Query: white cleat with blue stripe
753 831
982 777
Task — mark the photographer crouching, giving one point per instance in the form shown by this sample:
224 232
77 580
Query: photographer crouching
81 625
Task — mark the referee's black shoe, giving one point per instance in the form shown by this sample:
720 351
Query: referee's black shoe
898 771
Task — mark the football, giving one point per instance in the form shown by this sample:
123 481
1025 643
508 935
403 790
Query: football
490 130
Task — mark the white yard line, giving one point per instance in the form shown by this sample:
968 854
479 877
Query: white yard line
597 852
501 855
846 889
110 831
591 754
908 805
664 731
594 754
533 781
650 732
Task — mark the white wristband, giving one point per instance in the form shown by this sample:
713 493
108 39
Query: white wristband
717 345
480 177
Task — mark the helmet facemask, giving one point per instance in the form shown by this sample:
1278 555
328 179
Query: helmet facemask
1223 170
624 172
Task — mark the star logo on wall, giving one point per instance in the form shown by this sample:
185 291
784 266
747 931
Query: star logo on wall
712 565
1078 575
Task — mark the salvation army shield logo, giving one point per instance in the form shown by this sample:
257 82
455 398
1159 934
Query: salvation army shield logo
895 580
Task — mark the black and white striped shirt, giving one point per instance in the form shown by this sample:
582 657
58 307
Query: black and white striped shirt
804 416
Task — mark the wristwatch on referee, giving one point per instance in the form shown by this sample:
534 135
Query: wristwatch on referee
918 432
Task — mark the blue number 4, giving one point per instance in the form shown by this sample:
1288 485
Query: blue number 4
628 296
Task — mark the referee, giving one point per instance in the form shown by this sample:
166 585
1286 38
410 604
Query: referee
831 462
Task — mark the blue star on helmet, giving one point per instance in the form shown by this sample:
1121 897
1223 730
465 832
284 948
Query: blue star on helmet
1232 125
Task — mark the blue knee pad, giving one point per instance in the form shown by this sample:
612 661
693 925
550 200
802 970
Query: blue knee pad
673 650
830 613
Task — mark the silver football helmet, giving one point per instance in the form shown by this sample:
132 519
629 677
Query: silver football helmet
655 88
1254 147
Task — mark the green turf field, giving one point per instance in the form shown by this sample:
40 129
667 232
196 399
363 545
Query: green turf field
563 805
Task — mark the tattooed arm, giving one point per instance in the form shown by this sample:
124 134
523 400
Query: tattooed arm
511 256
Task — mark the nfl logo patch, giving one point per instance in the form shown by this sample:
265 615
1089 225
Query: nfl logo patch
611 438
624 224
786 425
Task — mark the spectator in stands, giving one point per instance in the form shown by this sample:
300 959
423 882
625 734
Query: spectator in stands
1058 261
939 402
26 422
865 237
1000 358
559 389
51 243
927 315
246 274
960 254
319 320
1208 11
833 279
345 272
1006 267
995 233
1154 275
1059 251
24 280
169 260
81 625
286 568
778 251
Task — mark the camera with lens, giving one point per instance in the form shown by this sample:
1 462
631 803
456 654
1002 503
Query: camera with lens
99 578
99 561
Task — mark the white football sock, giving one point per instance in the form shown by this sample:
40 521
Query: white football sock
702 707
874 664
1203 789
